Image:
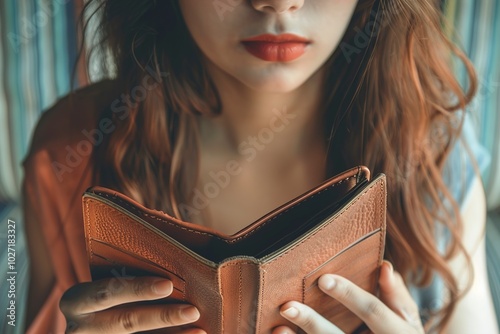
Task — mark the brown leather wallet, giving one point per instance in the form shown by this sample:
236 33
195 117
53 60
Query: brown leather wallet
238 282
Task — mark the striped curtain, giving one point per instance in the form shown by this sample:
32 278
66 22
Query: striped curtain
477 28
38 48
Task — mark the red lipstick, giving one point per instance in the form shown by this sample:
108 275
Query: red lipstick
276 48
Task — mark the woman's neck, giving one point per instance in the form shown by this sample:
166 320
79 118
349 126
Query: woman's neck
285 123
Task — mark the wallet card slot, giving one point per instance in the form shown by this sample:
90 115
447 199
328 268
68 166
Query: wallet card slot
136 266
360 264
365 246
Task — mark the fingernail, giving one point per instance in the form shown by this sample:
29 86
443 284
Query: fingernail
189 312
291 312
391 271
391 268
327 282
162 287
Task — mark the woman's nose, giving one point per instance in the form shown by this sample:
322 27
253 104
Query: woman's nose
277 6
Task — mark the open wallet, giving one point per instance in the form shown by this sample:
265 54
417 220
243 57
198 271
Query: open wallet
238 282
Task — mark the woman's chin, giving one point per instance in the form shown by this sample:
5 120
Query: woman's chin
281 78
274 85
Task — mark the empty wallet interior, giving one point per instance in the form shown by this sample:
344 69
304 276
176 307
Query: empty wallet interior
262 238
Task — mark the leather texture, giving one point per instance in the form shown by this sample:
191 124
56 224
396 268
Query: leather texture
238 282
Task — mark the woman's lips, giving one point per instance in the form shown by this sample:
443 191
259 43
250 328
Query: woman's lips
276 48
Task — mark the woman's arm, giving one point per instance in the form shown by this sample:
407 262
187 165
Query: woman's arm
36 204
42 276
475 312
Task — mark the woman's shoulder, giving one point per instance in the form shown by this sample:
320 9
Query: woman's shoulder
68 129
71 116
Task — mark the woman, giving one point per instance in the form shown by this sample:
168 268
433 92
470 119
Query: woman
353 83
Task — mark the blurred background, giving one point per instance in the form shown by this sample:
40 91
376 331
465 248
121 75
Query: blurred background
38 48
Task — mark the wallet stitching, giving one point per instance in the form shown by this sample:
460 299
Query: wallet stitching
137 211
239 295
340 215
239 264
88 228
236 263
381 219
261 292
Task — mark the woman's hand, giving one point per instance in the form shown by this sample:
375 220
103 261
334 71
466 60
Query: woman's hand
394 312
95 307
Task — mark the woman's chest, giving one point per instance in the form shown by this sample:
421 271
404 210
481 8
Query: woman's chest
228 202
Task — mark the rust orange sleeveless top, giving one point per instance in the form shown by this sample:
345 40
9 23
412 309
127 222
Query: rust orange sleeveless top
57 172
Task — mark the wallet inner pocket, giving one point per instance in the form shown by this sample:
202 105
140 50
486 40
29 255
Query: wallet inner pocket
104 267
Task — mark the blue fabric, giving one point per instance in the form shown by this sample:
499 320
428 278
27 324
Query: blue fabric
493 259
37 52
460 167
459 174
476 27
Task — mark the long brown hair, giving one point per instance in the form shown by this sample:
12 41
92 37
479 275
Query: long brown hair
391 102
